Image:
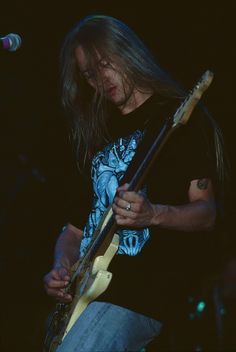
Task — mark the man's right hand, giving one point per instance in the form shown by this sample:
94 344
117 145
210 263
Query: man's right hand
55 283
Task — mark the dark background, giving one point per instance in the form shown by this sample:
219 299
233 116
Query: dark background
37 174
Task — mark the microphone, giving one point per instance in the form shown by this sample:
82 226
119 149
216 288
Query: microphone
11 42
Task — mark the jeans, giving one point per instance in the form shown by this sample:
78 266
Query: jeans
104 327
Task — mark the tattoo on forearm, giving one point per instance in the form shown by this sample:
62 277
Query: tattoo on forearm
202 183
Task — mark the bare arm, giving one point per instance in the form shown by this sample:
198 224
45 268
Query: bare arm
67 247
66 254
198 214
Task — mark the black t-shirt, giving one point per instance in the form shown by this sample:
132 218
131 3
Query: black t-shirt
170 263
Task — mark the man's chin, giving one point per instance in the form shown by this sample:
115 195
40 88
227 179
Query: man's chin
116 101
119 102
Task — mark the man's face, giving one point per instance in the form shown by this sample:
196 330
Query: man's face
107 77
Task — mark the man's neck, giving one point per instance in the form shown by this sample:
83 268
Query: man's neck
136 99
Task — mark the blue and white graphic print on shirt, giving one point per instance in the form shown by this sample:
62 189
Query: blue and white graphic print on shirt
108 168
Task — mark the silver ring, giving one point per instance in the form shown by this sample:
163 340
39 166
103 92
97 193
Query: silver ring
128 207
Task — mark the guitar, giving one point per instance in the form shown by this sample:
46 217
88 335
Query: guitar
89 275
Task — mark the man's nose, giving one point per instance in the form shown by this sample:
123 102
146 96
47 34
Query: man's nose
105 74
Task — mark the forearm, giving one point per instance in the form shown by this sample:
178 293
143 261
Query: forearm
67 247
195 216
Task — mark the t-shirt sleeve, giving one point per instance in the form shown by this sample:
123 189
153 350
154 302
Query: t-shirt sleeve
196 147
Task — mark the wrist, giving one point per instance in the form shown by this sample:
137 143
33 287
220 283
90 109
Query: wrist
159 212
61 262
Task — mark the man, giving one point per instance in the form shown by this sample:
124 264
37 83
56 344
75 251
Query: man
112 88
